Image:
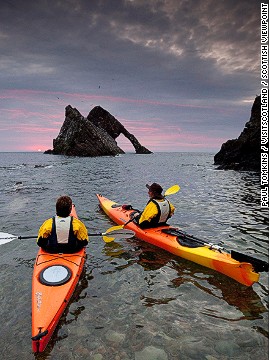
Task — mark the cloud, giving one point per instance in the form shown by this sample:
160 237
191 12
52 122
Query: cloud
185 63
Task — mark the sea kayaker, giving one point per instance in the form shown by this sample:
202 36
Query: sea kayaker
62 233
158 209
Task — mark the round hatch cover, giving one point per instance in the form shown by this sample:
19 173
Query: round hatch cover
55 275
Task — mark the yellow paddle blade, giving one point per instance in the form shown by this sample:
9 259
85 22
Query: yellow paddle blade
108 239
172 190
113 228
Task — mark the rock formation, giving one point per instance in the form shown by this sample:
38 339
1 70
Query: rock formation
104 120
243 153
91 136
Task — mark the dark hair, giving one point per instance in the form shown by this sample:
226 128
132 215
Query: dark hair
155 191
63 206
155 188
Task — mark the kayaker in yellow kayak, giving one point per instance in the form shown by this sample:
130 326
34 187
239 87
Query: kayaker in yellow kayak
158 209
62 233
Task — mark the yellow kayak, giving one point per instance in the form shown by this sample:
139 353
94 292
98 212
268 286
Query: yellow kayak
237 266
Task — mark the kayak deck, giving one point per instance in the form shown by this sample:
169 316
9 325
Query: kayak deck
49 302
221 261
55 277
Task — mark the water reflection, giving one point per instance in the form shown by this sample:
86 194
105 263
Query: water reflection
238 296
135 291
28 263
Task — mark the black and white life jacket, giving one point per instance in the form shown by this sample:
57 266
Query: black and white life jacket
62 233
164 211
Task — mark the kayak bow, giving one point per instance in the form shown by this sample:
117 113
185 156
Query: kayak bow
204 254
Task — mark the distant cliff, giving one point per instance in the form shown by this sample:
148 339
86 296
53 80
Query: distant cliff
91 136
243 153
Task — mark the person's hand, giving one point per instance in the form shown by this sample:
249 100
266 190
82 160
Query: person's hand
135 217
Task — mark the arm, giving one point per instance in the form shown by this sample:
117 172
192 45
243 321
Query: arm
44 232
149 212
80 231
172 209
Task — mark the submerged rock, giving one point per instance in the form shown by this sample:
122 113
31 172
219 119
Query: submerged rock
114 336
243 153
151 353
91 136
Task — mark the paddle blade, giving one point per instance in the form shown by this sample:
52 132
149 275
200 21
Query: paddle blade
113 228
6 238
172 190
117 232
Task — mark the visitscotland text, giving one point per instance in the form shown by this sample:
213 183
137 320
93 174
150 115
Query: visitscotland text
264 105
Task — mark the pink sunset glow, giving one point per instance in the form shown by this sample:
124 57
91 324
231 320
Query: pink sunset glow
35 118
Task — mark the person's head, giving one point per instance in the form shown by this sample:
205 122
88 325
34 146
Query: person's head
63 206
154 190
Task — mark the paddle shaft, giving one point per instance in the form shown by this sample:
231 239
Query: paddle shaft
26 237
129 221
113 233
34 237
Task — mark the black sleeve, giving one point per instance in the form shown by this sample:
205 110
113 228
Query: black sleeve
42 242
82 243
144 225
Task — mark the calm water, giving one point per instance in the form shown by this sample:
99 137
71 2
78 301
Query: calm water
135 301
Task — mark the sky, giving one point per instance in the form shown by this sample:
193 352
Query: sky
180 75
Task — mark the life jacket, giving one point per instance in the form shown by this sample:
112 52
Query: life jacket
164 211
62 236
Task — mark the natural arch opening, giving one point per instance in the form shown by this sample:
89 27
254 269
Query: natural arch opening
125 144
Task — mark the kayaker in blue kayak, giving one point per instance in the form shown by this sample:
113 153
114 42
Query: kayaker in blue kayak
62 233
158 209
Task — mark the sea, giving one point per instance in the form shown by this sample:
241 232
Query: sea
135 301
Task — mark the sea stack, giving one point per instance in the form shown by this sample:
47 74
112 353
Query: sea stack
244 152
92 136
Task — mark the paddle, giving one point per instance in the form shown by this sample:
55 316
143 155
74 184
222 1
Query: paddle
185 239
112 233
172 190
115 232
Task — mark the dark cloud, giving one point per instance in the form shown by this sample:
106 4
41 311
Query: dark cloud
190 52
